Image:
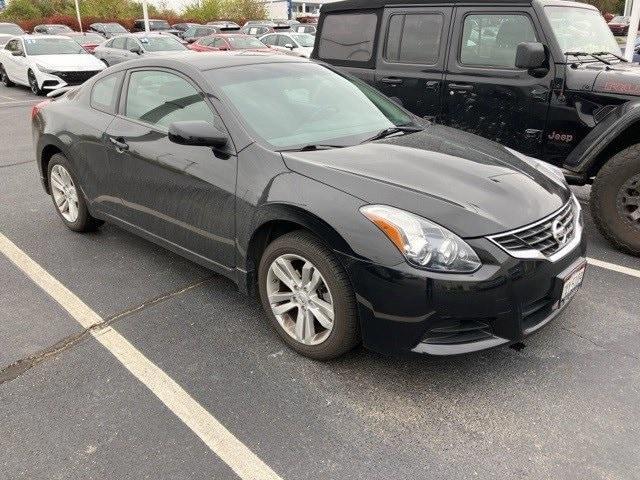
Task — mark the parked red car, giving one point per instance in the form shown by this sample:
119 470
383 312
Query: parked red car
228 41
619 25
88 41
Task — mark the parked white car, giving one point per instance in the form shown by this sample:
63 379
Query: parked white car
300 44
46 63
8 31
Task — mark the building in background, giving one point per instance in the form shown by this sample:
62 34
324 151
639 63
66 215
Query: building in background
280 9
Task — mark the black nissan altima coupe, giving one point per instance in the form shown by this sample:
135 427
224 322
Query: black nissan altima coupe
354 220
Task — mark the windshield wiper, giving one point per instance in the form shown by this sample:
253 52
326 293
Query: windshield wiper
312 147
622 59
393 130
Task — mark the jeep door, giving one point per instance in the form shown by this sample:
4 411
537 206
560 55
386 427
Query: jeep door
485 94
411 57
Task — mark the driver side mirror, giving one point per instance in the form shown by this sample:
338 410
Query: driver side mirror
531 56
136 49
289 46
197 133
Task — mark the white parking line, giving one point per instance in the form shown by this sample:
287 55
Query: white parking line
616 268
19 102
219 440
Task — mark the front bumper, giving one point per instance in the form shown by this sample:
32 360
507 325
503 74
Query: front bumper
404 309
55 80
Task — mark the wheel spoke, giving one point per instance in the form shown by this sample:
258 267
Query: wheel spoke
632 201
300 319
73 195
73 211
314 282
286 273
278 297
635 216
285 307
309 329
307 268
56 181
64 206
58 198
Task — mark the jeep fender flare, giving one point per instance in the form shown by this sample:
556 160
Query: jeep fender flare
583 158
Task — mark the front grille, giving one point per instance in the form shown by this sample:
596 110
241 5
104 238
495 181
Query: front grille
547 236
75 78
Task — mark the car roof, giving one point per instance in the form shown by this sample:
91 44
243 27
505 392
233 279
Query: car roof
201 62
45 37
375 4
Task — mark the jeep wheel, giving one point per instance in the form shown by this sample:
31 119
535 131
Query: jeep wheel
615 200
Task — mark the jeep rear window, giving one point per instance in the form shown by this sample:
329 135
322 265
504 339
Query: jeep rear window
348 36
414 38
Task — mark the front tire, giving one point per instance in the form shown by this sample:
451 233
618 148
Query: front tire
33 84
67 196
6 81
615 200
308 297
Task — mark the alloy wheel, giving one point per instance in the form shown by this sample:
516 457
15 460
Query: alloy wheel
300 299
64 193
628 201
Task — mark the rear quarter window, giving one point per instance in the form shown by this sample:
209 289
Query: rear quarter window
106 92
348 37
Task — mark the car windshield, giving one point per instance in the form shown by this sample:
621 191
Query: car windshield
291 105
245 42
161 44
9 29
619 20
581 30
158 25
59 28
303 39
114 28
88 39
52 46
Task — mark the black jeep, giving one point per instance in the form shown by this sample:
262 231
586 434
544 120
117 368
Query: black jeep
544 77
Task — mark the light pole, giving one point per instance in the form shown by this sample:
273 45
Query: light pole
145 15
78 15
633 29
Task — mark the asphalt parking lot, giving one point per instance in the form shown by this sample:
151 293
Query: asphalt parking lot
566 406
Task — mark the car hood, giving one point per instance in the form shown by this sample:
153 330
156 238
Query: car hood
620 78
80 62
468 184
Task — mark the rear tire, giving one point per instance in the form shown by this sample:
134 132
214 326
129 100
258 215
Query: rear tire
77 218
344 332
615 200
33 84
6 81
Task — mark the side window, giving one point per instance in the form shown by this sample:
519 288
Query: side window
11 46
104 95
131 43
119 42
269 40
161 98
414 38
284 40
490 40
348 37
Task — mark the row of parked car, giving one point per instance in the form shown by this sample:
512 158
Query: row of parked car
54 56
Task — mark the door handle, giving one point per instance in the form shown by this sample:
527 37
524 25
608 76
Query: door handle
120 144
432 85
391 80
460 87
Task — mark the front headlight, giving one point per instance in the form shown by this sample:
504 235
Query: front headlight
423 243
43 69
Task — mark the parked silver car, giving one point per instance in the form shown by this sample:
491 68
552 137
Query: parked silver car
127 47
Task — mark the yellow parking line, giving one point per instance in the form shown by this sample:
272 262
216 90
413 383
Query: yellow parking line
219 440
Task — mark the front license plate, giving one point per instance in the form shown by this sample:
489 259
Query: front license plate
571 284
